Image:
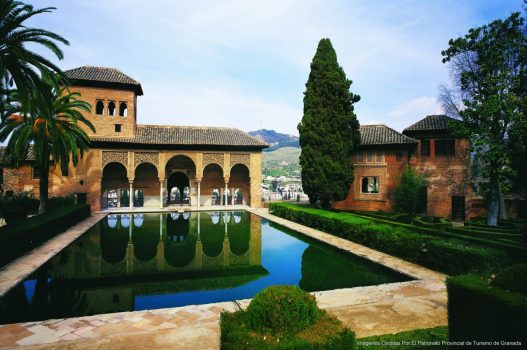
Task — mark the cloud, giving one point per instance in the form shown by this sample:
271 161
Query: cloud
413 110
245 63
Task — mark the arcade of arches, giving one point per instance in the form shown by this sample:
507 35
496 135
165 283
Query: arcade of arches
159 179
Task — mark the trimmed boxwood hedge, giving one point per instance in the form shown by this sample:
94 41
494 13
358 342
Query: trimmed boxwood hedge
18 238
448 256
480 311
441 225
517 252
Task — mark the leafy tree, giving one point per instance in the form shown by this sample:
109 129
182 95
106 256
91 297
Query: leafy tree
19 66
408 193
52 129
329 130
489 69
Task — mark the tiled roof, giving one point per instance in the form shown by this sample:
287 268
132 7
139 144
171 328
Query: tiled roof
382 135
30 154
187 135
432 122
104 75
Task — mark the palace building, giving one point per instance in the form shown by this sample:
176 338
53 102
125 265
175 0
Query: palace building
429 148
135 165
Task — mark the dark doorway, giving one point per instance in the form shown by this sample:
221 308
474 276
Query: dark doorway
458 208
178 187
422 204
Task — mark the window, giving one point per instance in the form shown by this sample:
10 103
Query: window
445 147
99 107
111 108
370 157
398 157
370 184
425 148
360 157
112 200
36 172
123 109
117 127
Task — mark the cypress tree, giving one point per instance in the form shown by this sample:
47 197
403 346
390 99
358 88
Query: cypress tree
329 130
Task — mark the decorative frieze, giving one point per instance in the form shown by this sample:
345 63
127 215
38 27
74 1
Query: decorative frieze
209 158
114 156
240 158
146 157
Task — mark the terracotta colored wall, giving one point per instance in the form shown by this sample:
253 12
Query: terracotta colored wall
387 171
446 176
105 124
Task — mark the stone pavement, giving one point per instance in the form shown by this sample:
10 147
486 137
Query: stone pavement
373 310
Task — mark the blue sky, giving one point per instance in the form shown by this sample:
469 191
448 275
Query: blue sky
245 63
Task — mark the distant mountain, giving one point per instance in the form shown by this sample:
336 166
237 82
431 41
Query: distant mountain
275 139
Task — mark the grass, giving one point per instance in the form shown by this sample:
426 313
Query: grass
416 339
288 154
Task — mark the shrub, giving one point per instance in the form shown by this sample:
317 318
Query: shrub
16 207
408 195
57 202
282 309
242 330
477 310
20 237
513 278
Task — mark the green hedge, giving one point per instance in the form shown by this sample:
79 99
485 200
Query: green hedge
451 257
481 311
517 252
18 238
441 225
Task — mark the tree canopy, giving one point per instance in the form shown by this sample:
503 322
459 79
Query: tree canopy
489 70
20 67
329 130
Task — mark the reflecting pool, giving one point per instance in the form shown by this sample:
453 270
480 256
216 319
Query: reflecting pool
148 261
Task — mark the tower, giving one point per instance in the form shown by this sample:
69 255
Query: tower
112 96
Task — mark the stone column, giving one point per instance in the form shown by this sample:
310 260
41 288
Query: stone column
226 189
161 185
131 194
199 192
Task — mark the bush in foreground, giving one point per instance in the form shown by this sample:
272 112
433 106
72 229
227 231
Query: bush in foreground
283 317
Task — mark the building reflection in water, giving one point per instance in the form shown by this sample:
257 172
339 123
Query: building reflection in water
149 254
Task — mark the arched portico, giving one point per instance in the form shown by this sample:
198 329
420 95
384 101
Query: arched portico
114 186
239 184
144 187
212 185
180 172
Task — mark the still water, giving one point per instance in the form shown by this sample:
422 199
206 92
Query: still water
158 260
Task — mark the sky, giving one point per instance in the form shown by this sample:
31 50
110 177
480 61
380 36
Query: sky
244 64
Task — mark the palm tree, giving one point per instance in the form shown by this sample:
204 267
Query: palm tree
19 66
52 129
